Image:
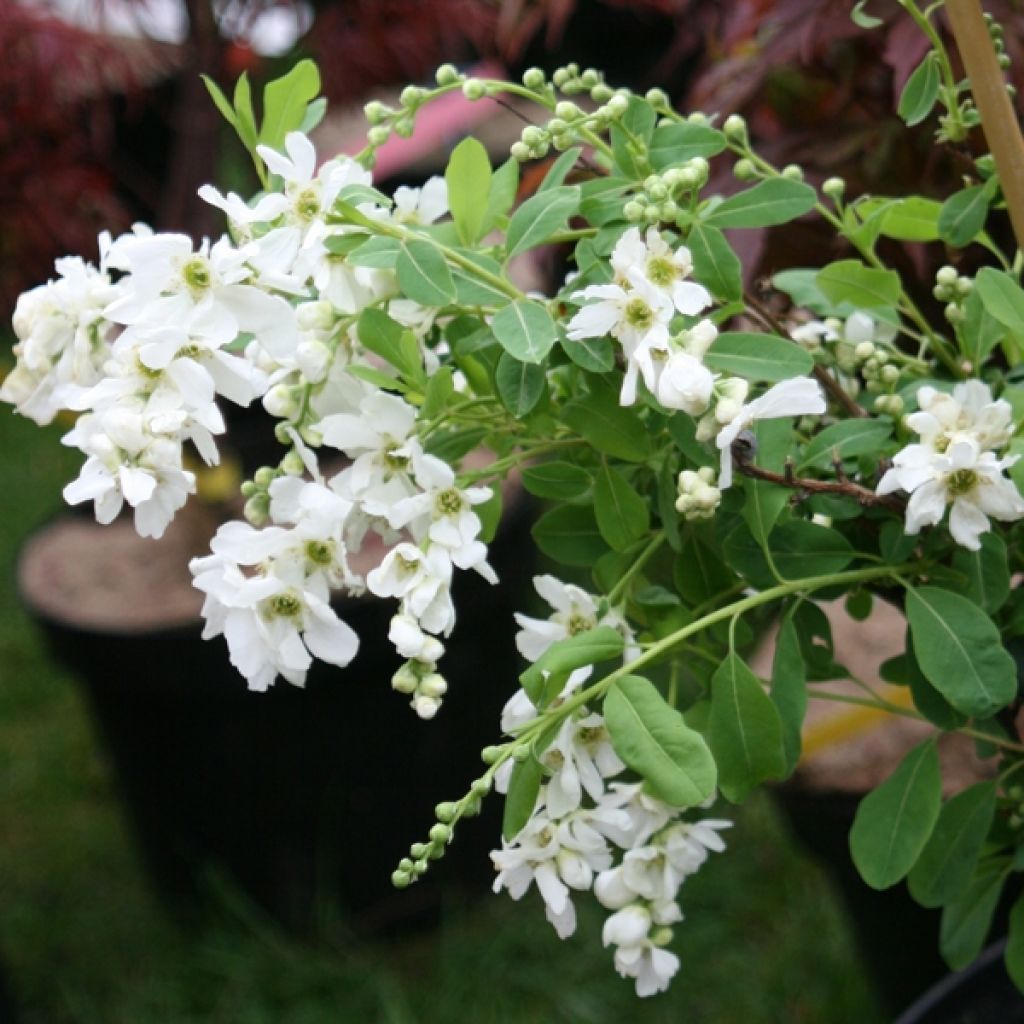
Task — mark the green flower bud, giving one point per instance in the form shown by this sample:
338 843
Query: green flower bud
419 868
248 489
375 111
744 170
474 89
522 752
401 879
669 210
440 833
378 135
964 286
864 351
411 96
533 136
403 127
555 126
418 850
264 477
257 509
633 211
519 151
697 117
533 78
560 77
567 111
444 812
834 188
481 787
946 275
1004 61
890 374
490 754
657 98
735 128
652 214
942 293
601 93
792 172
657 192
590 78
292 464
617 105
446 74
405 864
954 314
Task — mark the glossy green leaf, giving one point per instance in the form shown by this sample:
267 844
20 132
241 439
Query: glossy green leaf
800 284
698 573
745 731
966 923
611 428
947 863
979 332
866 287
569 534
525 330
423 274
960 651
758 357
715 264
521 798
845 440
789 690
677 143
590 647
597 355
987 571
894 822
468 177
914 219
560 169
378 252
1002 297
502 193
520 385
541 216
963 215
386 338
622 515
285 100
920 92
770 202
561 480
799 548
652 738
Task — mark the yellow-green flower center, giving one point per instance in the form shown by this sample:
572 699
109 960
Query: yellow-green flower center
961 482
638 313
197 275
448 503
660 271
286 605
320 552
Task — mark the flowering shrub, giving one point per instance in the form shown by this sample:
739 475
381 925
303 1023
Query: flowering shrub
706 452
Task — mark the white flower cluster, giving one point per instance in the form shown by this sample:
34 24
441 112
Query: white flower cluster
629 847
638 309
144 345
955 464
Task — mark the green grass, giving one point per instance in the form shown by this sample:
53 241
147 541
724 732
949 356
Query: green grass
86 942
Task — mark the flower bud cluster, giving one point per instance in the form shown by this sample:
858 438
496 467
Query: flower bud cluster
698 495
953 289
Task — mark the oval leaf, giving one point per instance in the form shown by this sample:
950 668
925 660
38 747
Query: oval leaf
468 177
652 738
540 217
521 798
893 823
963 215
758 357
920 92
1002 297
423 274
960 651
622 515
561 480
847 439
744 730
851 281
525 330
775 201
520 385
569 534
715 265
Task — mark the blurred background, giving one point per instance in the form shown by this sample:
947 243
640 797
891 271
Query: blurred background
103 121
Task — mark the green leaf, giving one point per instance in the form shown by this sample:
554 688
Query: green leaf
569 534
622 515
758 357
541 216
523 787
596 355
558 171
926 698
285 100
913 219
921 91
652 738
894 544
698 572
963 215
677 143
315 112
470 289
525 330
520 385
789 690
765 502
960 651
799 549
745 731
865 287
502 193
947 862
378 253
383 336
440 388
987 571
894 821
423 274
629 138
715 265
1013 957
859 17
468 177
1002 297
845 440
611 428
246 125
801 286
966 923
222 103
561 480
775 201
979 332
590 647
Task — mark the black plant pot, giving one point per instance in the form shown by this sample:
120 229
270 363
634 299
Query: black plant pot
981 993
304 798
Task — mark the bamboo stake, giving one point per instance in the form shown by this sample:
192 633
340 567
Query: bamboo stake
998 120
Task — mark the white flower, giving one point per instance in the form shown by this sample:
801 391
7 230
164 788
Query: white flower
965 477
662 266
421 205
579 758
685 383
969 413
798 396
422 580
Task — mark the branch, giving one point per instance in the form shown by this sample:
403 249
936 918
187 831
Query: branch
844 487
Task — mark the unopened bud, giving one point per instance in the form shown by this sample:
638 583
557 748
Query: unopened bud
735 128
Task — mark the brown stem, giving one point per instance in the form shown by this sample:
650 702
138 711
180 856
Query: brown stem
846 488
998 120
